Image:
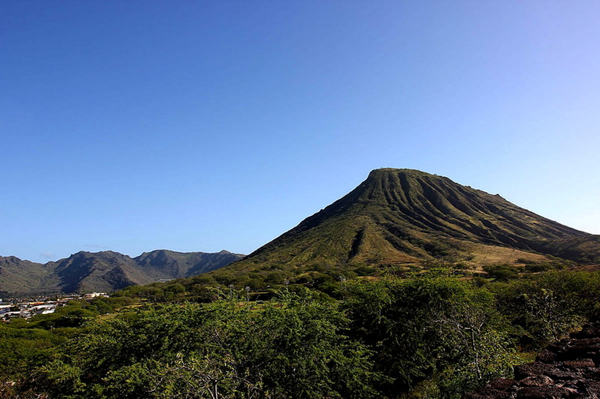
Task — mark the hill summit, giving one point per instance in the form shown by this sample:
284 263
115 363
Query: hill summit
409 217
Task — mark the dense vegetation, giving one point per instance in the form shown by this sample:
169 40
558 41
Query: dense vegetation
349 304
421 336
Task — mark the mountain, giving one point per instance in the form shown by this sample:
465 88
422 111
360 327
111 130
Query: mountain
405 217
398 218
104 271
18 275
164 264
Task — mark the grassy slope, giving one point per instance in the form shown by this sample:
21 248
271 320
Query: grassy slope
17 275
408 217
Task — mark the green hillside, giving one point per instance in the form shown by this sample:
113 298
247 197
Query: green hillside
404 217
396 220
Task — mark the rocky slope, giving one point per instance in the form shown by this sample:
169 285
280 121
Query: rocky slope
567 369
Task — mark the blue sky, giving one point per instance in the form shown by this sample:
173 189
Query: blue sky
204 126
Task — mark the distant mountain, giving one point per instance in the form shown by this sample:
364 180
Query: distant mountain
104 271
412 218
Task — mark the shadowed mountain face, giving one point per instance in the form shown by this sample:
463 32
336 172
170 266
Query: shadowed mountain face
402 216
104 271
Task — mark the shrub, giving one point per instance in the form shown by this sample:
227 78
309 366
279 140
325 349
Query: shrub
430 326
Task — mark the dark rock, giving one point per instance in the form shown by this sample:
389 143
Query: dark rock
536 381
578 364
565 369
546 356
589 331
533 369
502 383
489 394
548 392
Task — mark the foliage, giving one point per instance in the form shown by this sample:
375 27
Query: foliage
294 347
430 327
545 307
27 344
428 335
501 272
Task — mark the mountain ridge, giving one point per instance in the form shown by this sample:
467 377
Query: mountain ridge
86 271
396 219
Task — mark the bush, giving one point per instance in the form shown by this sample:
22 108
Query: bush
431 326
501 272
545 307
293 347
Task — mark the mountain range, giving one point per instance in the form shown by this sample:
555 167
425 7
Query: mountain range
404 217
396 218
104 271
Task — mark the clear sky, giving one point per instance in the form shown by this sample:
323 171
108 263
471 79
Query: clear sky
201 126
